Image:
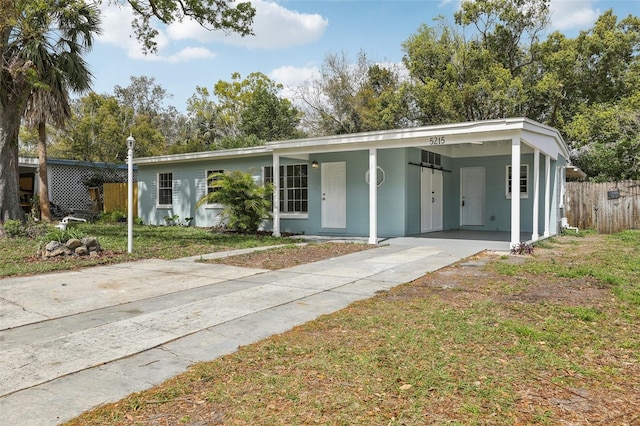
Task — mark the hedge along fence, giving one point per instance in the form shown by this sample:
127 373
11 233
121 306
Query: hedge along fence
608 207
115 197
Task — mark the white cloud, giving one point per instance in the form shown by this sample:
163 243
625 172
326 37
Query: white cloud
117 30
274 26
290 76
571 14
190 53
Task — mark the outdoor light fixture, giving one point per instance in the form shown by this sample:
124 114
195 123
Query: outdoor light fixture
130 144
314 164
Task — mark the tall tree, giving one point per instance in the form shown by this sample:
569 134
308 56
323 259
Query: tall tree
239 113
330 99
60 68
269 117
18 73
99 128
148 102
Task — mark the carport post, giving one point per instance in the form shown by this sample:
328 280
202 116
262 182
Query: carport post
373 196
276 195
536 194
547 196
515 192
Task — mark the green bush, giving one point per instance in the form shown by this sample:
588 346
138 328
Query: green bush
14 228
62 235
112 217
245 203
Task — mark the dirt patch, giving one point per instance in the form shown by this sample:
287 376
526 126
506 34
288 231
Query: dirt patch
293 255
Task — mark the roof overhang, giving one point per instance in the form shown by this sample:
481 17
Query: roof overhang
575 173
472 139
204 155
481 138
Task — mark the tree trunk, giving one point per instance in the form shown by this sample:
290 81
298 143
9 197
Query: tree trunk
43 180
9 171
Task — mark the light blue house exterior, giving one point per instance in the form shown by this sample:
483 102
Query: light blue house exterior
433 178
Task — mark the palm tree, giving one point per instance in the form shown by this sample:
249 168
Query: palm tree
60 68
42 106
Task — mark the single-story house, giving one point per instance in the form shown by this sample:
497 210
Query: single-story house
443 177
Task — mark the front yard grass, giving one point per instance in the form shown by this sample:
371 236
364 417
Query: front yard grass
551 338
166 242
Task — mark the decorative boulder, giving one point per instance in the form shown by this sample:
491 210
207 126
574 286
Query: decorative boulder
73 243
73 247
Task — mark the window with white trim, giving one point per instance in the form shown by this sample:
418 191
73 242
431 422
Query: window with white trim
165 189
294 193
212 176
523 181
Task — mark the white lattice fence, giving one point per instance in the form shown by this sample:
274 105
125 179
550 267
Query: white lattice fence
67 183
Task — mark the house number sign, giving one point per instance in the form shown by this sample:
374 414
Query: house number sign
437 140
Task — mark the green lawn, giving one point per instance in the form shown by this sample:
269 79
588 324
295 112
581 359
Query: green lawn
551 338
167 242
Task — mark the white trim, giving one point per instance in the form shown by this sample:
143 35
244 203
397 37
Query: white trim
547 196
294 215
158 205
275 174
515 201
373 198
536 194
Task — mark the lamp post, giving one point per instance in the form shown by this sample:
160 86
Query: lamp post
130 144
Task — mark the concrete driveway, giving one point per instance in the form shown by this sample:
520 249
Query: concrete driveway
71 341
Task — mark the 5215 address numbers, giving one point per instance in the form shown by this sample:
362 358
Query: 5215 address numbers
437 140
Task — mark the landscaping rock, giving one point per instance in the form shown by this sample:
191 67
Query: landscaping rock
52 245
73 243
88 246
82 251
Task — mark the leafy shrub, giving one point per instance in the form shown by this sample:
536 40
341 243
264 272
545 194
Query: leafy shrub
172 220
62 235
522 248
14 228
115 216
246 204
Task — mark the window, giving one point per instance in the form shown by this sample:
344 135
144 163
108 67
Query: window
432 158
165 189
210 181
523 181
294 196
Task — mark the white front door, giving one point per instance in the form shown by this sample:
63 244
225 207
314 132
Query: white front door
430 200
334 195
472 196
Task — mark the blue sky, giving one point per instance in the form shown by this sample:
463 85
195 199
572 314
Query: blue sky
291 41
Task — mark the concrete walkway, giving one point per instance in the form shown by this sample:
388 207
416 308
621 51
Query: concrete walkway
71 341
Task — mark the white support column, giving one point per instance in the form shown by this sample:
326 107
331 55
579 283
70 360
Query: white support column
373 196
276 195
547 196
536 194
515 192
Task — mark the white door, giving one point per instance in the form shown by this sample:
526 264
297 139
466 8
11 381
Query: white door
334 195
430 200
472 196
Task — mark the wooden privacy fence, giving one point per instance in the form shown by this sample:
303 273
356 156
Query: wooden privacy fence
608 207
115 196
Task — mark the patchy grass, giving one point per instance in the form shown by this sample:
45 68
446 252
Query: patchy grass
550 339
166 242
